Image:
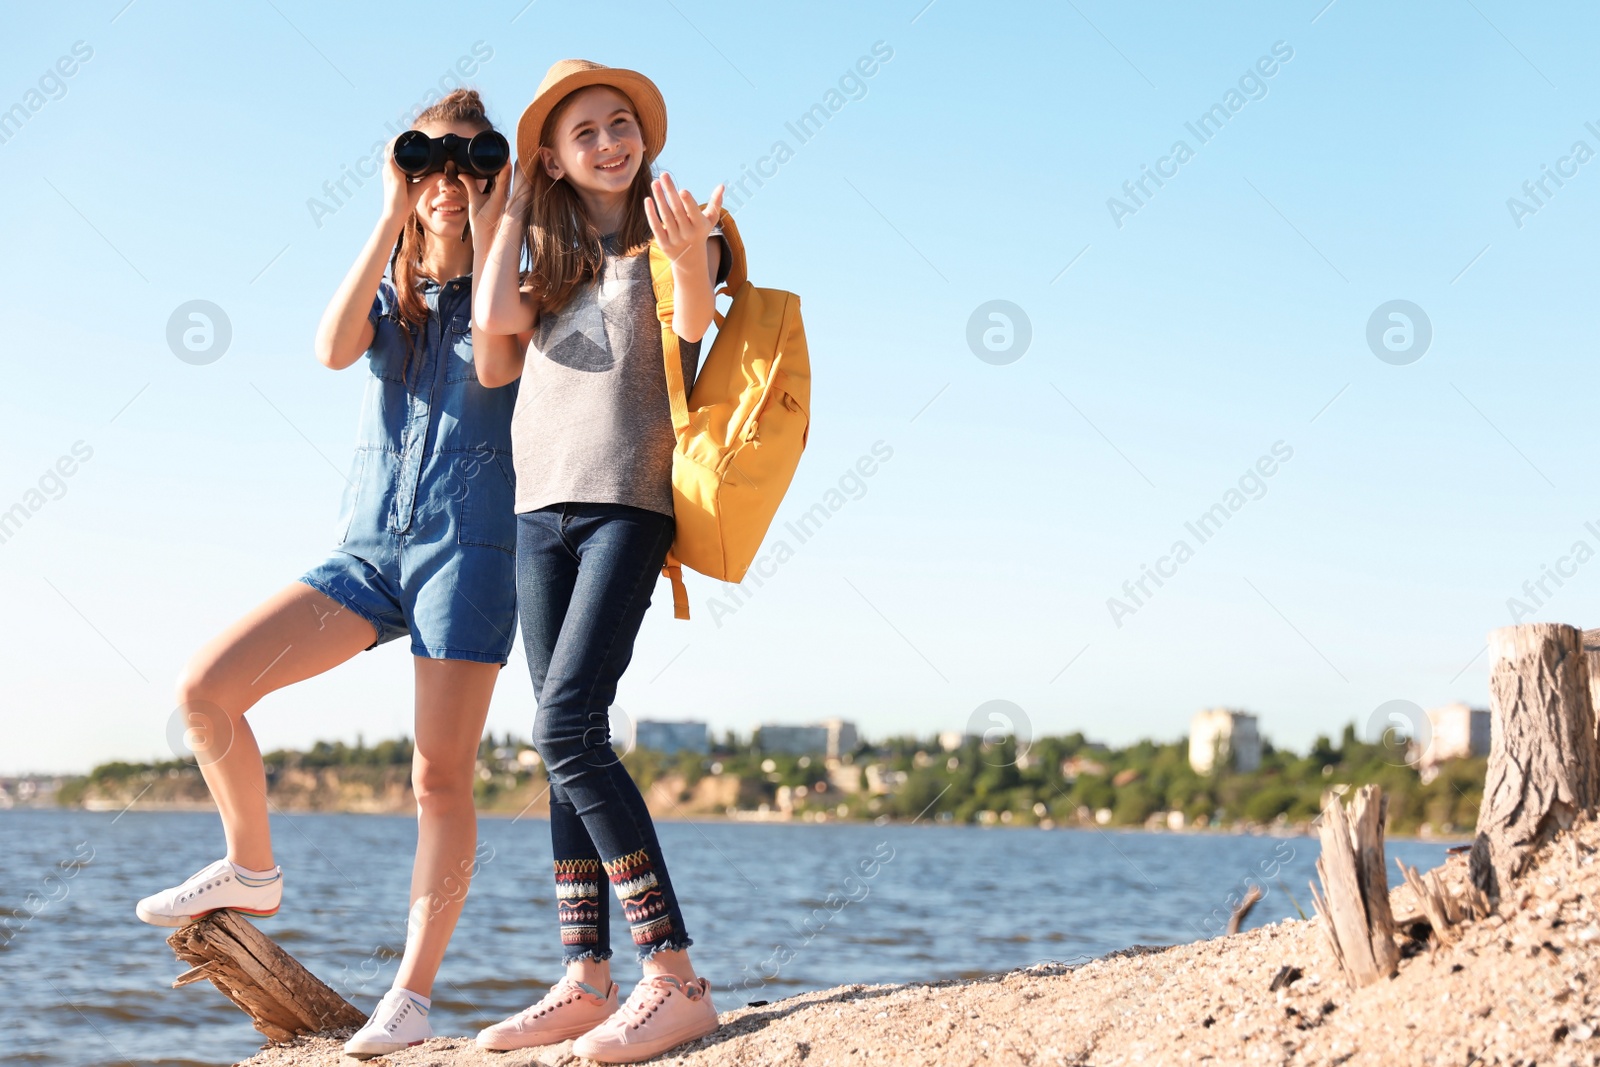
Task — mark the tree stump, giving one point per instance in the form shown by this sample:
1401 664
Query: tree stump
1543 765
282 998
1591 656
1354 901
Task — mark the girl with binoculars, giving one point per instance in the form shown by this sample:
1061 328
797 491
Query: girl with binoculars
424 549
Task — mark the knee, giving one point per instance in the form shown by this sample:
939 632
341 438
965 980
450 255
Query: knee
439 787
203 685
206 712
559 737
550 737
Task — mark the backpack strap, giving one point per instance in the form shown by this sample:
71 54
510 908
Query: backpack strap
677 397
738 272
680 593
677 394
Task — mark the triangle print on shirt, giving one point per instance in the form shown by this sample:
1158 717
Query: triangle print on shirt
592 422
576 336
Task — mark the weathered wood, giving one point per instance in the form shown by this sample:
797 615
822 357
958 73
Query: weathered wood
1543 765
1444 910
1432 900
1369 813
282 998
1252 896
1591 655
1354 900
192 975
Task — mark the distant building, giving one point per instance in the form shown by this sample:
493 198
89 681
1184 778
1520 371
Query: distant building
950 740
29 790
1226 735
842 739
881 780
671 737
793 740
832 738
1074 766
845 777
1455 731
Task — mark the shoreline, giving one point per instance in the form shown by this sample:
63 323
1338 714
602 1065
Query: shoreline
1514 989
1449 840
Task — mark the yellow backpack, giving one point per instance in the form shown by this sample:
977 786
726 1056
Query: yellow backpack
741 432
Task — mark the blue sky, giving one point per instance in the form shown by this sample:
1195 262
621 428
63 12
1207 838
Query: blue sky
1225 316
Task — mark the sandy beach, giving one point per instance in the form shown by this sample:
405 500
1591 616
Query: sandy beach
1518 988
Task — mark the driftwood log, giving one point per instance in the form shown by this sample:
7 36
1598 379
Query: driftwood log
1543 764
282 998
1354 901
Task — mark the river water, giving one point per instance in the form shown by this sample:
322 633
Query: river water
775 909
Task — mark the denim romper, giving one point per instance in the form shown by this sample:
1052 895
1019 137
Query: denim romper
427 535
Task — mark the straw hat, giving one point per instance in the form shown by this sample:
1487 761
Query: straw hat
569 75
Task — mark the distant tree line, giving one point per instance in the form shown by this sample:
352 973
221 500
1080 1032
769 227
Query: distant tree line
1061 780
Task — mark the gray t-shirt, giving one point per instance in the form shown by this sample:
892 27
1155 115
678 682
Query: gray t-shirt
592 422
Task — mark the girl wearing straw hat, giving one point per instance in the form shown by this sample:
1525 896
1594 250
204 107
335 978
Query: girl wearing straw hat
592 442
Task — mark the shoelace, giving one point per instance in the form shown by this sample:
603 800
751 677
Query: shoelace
657 989
568 992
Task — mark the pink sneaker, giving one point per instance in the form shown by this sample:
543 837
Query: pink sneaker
661 1013
570 1008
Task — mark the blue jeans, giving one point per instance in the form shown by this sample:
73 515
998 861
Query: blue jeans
585 574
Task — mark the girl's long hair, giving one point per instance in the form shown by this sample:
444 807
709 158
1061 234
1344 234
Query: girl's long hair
563 245
461 105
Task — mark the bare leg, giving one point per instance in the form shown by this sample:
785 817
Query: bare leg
452 705
591 971
295 634
670 961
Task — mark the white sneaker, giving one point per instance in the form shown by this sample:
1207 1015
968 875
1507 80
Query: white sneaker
215 888
399 1022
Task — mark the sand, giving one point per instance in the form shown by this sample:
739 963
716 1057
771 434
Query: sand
1520 988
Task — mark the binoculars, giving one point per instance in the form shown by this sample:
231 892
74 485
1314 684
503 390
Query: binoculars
484 155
